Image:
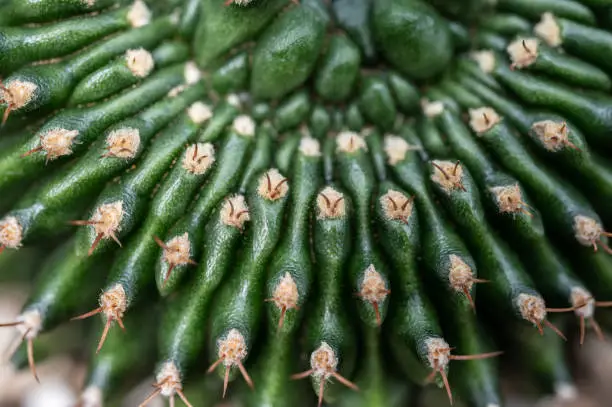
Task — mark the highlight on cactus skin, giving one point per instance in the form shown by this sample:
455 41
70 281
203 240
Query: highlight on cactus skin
314 202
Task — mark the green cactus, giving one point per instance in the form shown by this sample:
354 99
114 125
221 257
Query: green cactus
357 192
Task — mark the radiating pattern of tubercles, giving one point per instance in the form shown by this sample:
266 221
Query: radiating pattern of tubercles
297 155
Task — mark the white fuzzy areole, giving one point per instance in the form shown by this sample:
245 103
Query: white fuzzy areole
235 211
177 90
233 100
350 142
242 2
587 230
438 353
485 59
114 302
169 378
483 119
244 125
178 250
286 295
46 61
450 177
509 198
232 348
373 288
139 62
199 112
11 233
272 185
91 397
123 142
554 136
582 298
18 93
566 391
139 15
107 218
88 3
323 361
310 147
330 204
58 142
192 73
433 108
523 52
396 148
460 274
199 158
30 324
548 29
396 205
532 307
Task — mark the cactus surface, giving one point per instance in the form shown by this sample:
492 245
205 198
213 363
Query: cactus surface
313 201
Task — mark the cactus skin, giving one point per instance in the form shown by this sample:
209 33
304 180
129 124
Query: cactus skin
366 171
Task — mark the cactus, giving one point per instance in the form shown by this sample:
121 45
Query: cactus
287 185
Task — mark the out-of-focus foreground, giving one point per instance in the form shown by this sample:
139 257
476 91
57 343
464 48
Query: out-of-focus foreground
62 373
